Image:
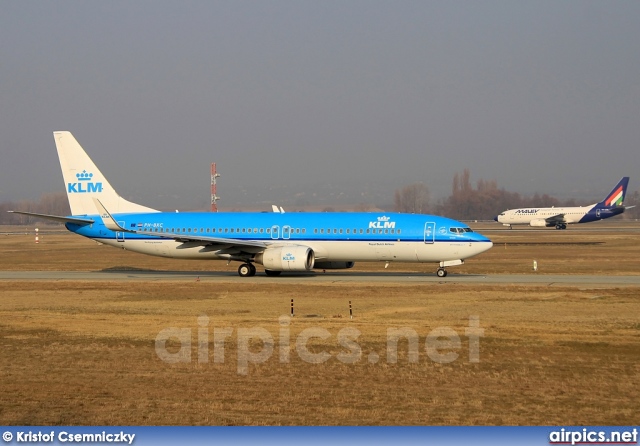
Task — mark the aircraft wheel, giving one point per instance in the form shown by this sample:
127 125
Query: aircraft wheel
272 273
558 226
253 269
564 226
245 269
441 272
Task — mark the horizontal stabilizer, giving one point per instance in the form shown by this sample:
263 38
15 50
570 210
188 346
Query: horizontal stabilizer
58 218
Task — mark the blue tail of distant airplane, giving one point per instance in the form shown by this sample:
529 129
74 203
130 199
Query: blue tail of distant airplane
615 198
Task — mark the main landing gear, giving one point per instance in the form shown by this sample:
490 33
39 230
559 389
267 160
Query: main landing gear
561 226
246 270
249 270
441 272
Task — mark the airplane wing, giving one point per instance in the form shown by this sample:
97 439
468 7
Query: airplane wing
190 239
559 218
58 218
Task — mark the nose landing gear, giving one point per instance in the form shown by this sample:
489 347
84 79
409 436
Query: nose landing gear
441 272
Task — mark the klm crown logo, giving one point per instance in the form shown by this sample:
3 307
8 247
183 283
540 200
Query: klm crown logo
84 176
84 184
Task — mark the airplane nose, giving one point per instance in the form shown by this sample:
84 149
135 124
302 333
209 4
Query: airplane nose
495 218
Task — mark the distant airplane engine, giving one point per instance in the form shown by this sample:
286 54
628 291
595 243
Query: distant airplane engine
334 265
287 258
540 222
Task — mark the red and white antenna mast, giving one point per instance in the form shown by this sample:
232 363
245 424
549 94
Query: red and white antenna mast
214 189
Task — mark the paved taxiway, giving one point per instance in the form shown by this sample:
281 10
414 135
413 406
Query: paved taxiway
330 277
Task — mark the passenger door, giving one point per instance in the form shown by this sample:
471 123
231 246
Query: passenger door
429 232
120 234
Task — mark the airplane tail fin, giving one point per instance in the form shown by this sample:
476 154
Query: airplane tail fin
83 181
616 196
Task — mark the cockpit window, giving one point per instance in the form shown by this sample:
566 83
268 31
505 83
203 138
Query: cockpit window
460 230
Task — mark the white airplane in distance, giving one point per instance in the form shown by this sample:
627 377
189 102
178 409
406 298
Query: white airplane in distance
560 217
276 240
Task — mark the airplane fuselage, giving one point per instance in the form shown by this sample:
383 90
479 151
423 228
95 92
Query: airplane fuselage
570 215
333 237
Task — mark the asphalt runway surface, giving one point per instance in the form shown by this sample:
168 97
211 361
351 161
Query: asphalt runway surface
329 277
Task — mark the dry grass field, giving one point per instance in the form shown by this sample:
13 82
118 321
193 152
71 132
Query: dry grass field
85 352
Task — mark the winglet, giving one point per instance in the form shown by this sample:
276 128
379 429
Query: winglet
107 218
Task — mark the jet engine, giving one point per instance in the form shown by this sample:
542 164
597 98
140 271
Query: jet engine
334 265
287 258
540 222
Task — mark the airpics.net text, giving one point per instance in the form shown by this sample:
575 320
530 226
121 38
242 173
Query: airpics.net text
256 345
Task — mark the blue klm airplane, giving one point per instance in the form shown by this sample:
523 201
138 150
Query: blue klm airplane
277 241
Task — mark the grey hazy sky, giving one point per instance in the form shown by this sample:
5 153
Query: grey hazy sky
543 96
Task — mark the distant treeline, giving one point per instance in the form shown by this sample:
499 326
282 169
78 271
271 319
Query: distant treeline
54 203
466 202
